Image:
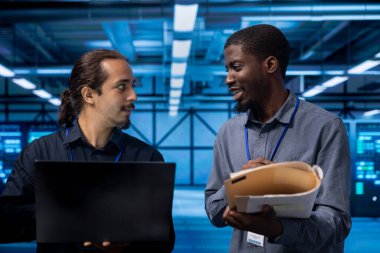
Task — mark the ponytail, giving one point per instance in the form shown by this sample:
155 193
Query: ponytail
66 113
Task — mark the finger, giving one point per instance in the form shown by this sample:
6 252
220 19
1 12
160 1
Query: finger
87 243
231 221
251 165
239 217
256 163
106 243
268 212
226 211
235 223
265 161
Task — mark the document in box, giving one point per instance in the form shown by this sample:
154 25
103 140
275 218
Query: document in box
290 187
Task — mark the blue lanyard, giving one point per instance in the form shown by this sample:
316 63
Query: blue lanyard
279 140
117 157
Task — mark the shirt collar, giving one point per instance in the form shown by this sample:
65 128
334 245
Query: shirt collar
117 137
74 133
283 115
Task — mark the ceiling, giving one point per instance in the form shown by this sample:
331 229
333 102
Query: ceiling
40 41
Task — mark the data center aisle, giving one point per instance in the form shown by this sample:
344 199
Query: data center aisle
195 234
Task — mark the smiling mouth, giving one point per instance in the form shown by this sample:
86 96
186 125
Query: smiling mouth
236 91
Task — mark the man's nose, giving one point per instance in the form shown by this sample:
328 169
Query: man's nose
230 79
132 96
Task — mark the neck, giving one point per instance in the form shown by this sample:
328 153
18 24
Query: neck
266 110
95 133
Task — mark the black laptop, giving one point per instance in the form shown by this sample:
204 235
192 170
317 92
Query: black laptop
97 201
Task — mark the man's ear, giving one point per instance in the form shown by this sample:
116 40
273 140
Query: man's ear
88 95
271 64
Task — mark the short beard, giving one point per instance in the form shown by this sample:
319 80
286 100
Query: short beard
124 125
240 108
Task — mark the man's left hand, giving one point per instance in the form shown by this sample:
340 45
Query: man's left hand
108 247
264 223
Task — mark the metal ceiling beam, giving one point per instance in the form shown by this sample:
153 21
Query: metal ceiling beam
216 46
25 11
313 49
29 11
120 35
33 42
208 69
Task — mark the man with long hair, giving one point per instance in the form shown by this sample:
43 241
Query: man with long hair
95 108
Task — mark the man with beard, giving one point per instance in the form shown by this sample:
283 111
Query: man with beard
94 110
276 126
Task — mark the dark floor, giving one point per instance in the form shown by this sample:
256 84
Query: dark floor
194 233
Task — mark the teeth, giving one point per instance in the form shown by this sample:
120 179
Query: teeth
236 91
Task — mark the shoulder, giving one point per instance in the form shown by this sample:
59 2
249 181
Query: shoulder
310 110
137 144
232 130
314 119
236 122
50 140
130 140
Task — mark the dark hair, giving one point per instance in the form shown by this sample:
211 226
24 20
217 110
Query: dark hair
263 41
87 71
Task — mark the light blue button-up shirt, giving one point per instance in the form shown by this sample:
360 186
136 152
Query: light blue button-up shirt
315 137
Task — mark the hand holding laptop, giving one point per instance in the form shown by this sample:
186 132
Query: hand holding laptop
109 247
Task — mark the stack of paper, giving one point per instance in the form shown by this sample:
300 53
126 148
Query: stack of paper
290 187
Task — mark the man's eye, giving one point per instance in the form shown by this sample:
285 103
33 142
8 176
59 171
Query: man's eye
121 86
236 67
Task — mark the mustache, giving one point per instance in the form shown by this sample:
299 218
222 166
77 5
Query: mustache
129 107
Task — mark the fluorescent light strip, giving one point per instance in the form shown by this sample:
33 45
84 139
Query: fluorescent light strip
309 8
55 101
173 108
42 94
174 101
371 113
377 55
334 81
22 82
178 68
184 17
147 43
362 67
313 91
53 71
173 113
325 8
316 18
100 44
4 71
175 93
181 48
303 72
333 72
176 83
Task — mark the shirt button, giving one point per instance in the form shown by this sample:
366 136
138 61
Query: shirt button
262 136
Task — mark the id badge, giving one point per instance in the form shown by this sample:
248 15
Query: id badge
255 239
